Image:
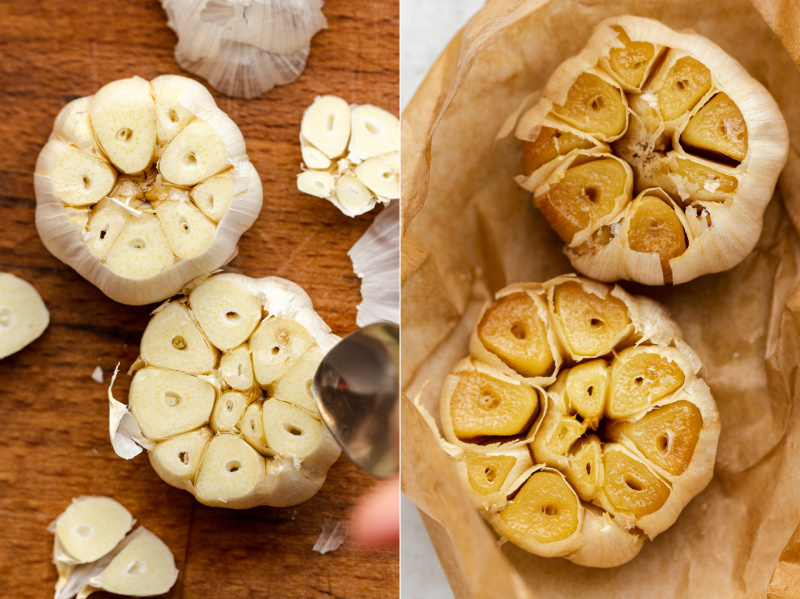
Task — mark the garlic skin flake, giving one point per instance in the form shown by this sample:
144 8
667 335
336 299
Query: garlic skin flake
702 144
351 154
23 315
145 186
584 454
221 395
244 48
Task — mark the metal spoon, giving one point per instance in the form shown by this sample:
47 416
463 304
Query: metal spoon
357 390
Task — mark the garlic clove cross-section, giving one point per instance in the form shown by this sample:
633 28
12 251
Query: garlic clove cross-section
351 153
698 145
145 186
23 315
221 395
606 446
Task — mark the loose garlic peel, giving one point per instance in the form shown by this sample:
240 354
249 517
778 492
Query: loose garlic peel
145 186
244 49
94 551
582 454
221 395
653 154
351 154
23 315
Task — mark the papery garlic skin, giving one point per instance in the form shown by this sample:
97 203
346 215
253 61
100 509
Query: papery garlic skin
244 49
639 397
145 186
221 394
351 154
714 196
23 315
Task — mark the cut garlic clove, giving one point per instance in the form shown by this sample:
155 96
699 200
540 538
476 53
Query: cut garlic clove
640 378
141 249
213 196
176 460
312 157
194 154
172 340
91 527
289 430
78 217
315 183
167 403
123 117
172 115
226 310
78 178
251 426
352 196
236 368
488 473
629 486
188 232
296 386
228 412
276 347
230 469
23 315
594 106
587 389
381 174
326 126
74 125
548 145
374 131
718 128
685 84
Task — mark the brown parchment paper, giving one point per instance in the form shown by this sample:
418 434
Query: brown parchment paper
469 231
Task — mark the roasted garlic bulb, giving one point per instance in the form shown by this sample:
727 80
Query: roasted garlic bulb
351 154
652 154
23 315
221 396
94 552
145 186
579 423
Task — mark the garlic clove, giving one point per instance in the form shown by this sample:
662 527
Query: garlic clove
78 217
548 145
73 125
296 386
352 195
381 174
194 154
214 196
105 224
226 311
585 467
236 368
587 388
374 131
290 431
172 340
629 486
276 346
91 527
251 426
312 157
719 128
141 249
229 470
594 106
228 412
167 403
172 115
685 84
123 117
188 232
23 314
78 178
326 125
641 376
488 473
316 183
176 459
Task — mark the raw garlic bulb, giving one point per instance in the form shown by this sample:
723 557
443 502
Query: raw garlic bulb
652 154
244 48
579 423
23 315
351 154
145 186
222 395
93 551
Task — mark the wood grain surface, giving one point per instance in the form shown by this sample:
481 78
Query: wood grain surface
53 417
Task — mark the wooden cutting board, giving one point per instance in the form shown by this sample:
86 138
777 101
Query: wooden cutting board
53 417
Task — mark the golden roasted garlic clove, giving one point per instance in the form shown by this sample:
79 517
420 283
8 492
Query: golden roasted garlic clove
23 315
162 180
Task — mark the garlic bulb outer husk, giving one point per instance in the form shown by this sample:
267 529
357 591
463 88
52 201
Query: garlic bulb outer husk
23 314
76 243
227 468
244 49
721 227
351 154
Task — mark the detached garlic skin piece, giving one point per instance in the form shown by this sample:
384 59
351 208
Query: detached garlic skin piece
23 315
221 395
586 457
244 49
145 186
351 154
702 143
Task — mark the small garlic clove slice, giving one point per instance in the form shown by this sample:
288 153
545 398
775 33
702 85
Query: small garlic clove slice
91 527
290 431
176 460
374 131
640 378
230 469
683 86
381 174
213 196
276 346
167 403
316 183
312 157
630 63
172 115
654 227
193 155
228 412
23 314
594 106
172 340
585 467
587 389
251 426
630 487
226 311
145 567
296 385
141 249
326 125
717 128
548 145
487 474
123 117
74 125
236 368
79 178
353 196
188 232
